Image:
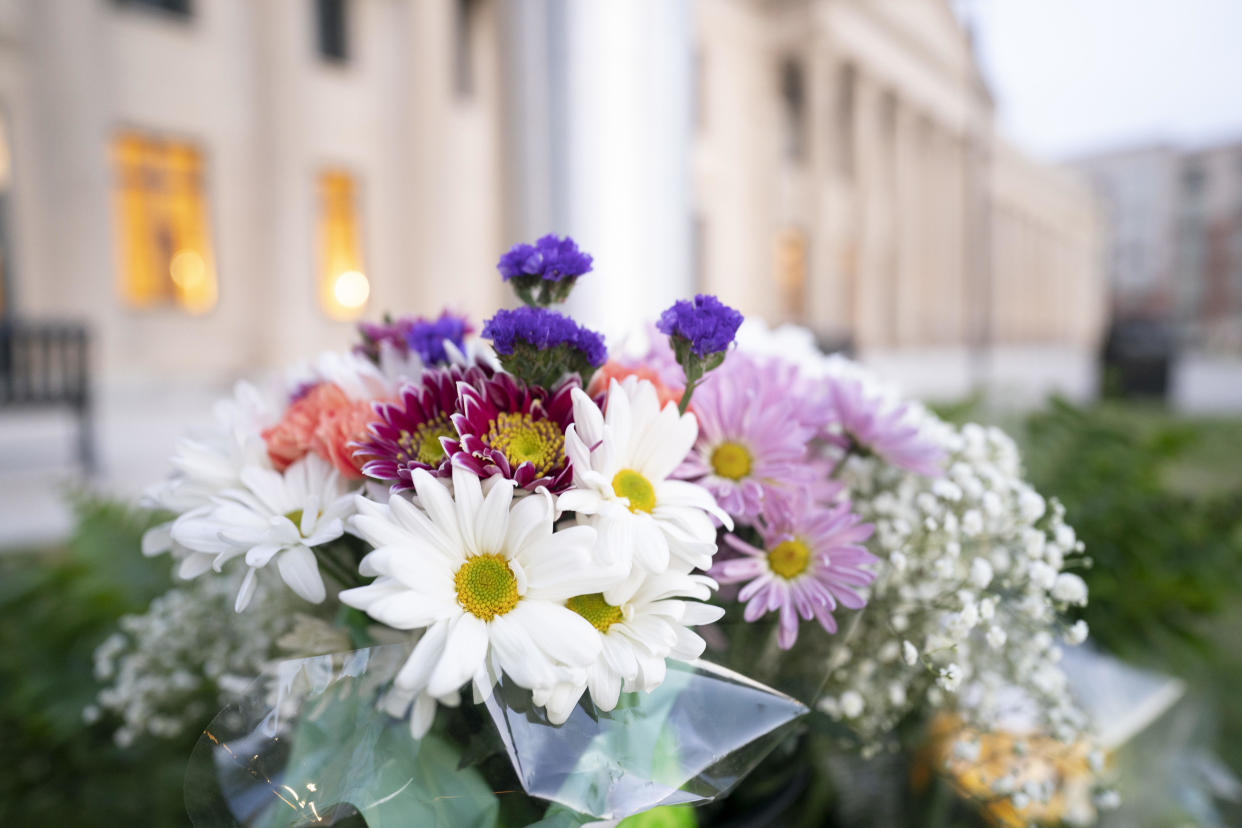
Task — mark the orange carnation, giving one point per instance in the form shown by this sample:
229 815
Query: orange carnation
324 421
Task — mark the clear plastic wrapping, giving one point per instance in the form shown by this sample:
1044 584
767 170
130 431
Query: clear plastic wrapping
312 744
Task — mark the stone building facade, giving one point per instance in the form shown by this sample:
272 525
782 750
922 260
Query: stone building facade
847 176
217 186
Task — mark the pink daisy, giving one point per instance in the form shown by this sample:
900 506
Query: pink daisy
806 567
870 425
753 437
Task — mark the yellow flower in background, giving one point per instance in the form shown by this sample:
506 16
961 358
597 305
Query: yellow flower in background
999 769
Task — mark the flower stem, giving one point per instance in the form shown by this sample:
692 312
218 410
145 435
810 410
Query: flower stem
684 403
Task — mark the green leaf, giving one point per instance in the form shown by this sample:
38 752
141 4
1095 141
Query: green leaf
347 752
666 816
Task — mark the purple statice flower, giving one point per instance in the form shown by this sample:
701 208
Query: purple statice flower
375 335
550 258
422 336
543 330
871 425
706 323
807 566
509 428
754 434
541 346
426 337
409 433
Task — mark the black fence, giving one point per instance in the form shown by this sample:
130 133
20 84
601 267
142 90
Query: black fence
47 365
1138 356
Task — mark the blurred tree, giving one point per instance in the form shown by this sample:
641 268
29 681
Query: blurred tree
55 608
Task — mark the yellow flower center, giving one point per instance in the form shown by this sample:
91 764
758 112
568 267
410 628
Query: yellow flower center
296 517
629 483
523 439
423 444
595 609
731 460
789 558
486 586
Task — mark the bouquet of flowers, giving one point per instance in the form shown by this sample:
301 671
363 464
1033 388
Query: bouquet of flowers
441 564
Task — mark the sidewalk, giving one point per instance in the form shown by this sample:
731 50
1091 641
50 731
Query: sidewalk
135 432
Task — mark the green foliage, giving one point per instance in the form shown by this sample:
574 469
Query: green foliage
666 816
55 607
1162 522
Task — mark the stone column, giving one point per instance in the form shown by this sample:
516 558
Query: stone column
873 141
908 272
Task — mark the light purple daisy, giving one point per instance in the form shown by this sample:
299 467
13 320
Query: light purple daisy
508 427
868 424
409 433
753 437
806 568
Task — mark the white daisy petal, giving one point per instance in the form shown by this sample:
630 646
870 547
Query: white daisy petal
417 669
246 591
298 568
492 518
464 651
418 524
436 501
559 632
530 520
468 502
588 419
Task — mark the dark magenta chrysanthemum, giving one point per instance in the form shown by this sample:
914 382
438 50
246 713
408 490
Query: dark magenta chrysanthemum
513 429
409 434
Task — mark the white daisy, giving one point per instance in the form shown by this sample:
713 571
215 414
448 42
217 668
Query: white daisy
622 461
270 516
488 578
211 462
646 625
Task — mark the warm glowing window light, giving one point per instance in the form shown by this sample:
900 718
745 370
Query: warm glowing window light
343 285
162 236
790 261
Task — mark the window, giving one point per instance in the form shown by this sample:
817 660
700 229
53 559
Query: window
343 285
791 271
178 7
793 98
332 29
463 47
163 239
1193 179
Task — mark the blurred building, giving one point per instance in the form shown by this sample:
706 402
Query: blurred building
847 176
223 185
1175 238
219 185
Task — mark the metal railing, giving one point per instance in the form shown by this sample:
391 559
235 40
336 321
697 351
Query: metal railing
47 365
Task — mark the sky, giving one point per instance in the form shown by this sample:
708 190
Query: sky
1071 77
